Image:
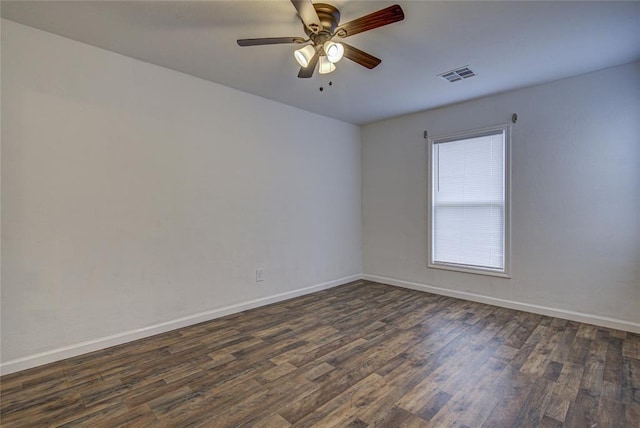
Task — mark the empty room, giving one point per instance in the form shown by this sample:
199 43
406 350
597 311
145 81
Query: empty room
297 213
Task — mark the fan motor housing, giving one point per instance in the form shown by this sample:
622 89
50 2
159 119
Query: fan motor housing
329 18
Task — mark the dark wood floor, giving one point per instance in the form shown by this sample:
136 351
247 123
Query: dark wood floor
363 354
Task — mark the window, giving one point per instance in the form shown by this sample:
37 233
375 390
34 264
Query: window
469 201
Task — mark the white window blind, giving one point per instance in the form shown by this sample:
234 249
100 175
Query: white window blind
468 206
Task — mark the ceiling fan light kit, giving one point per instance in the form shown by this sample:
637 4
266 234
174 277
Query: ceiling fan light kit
325 66
333 50
320 23
331 53
304 55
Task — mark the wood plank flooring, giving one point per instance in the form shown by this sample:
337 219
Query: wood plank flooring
362 354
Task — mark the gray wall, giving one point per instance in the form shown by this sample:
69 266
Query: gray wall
575 196
136 199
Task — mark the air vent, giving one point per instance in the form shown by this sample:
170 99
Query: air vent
457 74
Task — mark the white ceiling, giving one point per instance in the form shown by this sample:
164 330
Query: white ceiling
508 44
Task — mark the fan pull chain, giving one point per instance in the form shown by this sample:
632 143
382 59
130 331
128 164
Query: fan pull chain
321 88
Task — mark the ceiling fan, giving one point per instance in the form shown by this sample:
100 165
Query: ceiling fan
320 22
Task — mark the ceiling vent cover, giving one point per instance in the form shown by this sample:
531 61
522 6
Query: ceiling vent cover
457 74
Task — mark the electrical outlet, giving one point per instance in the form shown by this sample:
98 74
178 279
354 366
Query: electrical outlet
259 277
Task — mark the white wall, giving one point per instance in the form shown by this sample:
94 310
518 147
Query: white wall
575 198
136 199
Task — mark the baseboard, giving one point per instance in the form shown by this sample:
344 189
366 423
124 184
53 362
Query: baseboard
128 336
511 304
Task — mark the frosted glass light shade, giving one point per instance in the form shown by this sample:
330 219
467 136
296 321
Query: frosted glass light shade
304 55
333 50
326 66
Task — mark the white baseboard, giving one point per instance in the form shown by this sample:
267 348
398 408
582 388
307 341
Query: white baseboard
127 336
510 304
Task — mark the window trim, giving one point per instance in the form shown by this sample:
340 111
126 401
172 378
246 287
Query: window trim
478 132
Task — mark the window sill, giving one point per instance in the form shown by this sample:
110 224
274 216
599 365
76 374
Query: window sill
467 269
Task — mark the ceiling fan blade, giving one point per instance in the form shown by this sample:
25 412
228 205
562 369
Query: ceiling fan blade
269 41
361 57
306 72
308 14
377 19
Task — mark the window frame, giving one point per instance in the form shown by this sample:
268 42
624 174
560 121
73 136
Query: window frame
444 138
